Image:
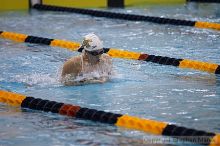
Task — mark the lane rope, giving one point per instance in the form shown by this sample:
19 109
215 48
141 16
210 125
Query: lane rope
204 1
131 17
125 121
117 53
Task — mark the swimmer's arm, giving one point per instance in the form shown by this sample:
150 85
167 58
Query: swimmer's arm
72 67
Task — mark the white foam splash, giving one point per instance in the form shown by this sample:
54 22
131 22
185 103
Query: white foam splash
37 79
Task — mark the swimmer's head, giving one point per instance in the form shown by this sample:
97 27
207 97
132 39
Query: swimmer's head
92 42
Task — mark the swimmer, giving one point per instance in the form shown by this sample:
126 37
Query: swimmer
92 66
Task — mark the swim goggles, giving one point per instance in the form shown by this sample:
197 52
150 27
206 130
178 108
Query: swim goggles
95 53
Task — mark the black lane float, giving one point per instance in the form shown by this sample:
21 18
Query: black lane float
120 120
131 17
117 53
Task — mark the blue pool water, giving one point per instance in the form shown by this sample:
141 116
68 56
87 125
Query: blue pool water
181 96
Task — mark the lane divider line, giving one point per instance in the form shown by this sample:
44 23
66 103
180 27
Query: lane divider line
204 1
118 53
119 120
130 17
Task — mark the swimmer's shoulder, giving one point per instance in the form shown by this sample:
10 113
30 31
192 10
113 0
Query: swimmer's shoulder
106 59
106 56
75 59
72 65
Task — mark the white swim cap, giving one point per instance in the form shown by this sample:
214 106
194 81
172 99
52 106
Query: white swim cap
91 42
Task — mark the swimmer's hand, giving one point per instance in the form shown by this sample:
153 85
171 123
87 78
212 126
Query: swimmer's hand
94 80
101 80
68 81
